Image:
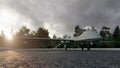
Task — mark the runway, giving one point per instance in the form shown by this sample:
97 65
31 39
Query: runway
59 59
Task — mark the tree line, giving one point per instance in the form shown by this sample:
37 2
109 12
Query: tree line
110 39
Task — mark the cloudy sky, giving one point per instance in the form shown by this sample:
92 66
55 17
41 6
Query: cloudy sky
59 16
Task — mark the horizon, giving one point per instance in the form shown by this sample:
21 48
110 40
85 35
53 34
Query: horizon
9 34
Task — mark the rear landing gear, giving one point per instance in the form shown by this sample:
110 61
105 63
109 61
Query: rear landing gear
65 46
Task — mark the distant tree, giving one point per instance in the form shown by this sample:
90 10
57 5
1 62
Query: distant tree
55 43
42 33
2 34
66 36
78 31
23 32
105 33
116 33
54 36
2 38
93 29
102 33
32 34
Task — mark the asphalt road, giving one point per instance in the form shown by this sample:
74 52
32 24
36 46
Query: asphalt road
59 59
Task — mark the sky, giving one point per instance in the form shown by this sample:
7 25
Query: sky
59 16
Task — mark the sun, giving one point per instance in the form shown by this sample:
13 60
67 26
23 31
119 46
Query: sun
8 35
9 38
8 20
12 19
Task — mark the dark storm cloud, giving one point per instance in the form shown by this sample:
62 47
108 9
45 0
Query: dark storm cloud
61 16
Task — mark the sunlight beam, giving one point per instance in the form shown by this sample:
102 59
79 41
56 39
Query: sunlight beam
11 19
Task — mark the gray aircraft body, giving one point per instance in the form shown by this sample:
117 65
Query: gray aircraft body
86 36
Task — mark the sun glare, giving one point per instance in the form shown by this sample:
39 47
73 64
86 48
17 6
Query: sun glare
11 19
9 37
8 18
